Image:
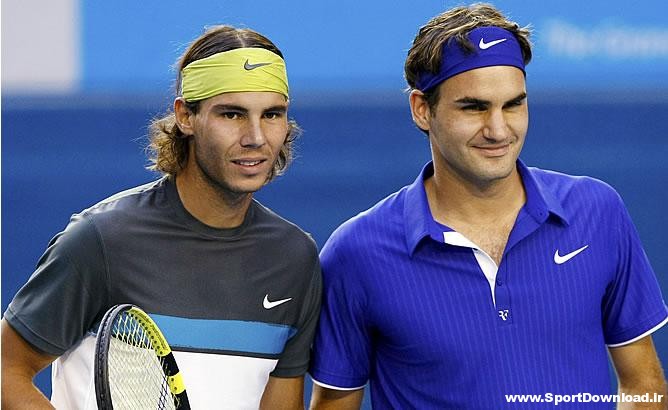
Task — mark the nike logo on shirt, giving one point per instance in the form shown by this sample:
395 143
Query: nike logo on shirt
269 305
558 259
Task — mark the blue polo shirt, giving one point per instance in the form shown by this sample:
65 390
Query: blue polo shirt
430 321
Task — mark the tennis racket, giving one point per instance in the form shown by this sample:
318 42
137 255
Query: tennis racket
134 365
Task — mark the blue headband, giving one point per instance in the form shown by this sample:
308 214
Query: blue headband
492 46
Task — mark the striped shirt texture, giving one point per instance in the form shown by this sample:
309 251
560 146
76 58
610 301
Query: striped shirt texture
429 321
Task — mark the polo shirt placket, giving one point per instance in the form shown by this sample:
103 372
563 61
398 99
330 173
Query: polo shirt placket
532 215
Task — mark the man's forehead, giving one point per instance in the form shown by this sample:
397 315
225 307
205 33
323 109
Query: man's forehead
249 99
494 80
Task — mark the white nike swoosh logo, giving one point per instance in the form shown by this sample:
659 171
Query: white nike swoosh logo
485 46
269 305
558 259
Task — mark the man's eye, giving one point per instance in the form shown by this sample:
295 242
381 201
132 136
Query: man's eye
273 115
230 115
474 107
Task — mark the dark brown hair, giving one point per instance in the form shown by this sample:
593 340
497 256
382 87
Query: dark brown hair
425 53
168 146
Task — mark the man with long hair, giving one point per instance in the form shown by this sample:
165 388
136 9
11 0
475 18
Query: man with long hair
238 286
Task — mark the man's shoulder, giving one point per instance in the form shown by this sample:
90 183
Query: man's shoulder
277 228
563 184
381 221
579 197
131 206
133 198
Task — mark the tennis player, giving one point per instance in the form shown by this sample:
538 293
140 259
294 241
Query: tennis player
484 277
234 287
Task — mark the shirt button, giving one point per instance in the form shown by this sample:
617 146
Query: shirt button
499 282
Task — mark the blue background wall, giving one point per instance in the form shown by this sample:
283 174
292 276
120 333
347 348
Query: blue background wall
349 44
596 109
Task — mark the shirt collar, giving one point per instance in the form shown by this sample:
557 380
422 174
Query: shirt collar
541 199
419 222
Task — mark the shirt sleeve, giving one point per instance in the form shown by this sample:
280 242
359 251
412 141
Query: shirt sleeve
633 306
65 294
295 357
342 349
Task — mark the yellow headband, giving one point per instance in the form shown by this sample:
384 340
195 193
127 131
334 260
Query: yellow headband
238 70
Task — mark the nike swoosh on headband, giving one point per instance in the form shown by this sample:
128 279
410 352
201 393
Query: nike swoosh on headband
248 66
485 46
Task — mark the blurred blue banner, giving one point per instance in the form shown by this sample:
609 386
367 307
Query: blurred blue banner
348 44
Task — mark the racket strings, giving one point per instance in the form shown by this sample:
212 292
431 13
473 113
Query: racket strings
140 380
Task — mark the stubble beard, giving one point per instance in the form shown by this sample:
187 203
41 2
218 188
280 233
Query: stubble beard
219 185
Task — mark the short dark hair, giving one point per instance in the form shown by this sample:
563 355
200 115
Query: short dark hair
425 53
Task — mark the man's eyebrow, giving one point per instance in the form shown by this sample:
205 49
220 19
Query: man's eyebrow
519 98
234 107
277 108
471 100
478 101
230 107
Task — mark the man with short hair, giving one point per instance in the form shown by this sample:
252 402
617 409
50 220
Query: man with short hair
485 277
234 287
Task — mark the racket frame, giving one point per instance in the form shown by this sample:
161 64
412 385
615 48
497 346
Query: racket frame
160 346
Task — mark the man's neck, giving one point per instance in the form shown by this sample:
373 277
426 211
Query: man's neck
211 205
452 198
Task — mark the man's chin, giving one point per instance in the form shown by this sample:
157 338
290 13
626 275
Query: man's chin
249 187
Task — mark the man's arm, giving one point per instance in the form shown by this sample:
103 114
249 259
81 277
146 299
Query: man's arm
283 393
330 399
20 363
638 372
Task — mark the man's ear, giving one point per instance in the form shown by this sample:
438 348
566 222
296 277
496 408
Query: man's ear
184 117
420 109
